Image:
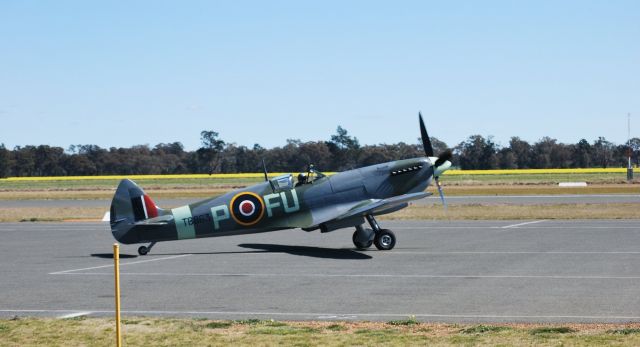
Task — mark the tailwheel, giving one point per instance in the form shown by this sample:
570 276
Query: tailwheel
143 250
385 240
358 244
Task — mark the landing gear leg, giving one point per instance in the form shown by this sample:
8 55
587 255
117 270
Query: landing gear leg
385 239
143 250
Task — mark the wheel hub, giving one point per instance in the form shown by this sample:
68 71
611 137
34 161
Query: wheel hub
385 240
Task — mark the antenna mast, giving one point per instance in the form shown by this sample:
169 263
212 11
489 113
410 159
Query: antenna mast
629 150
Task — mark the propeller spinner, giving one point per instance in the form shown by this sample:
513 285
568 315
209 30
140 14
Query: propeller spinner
441 164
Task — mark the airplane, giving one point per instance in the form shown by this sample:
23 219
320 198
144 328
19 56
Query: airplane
316 201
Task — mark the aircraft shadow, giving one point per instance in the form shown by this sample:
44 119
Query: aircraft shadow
110 255
306 251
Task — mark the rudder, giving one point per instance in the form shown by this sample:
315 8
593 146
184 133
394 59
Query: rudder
130 205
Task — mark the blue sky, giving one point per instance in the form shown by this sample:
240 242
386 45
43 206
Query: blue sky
121 73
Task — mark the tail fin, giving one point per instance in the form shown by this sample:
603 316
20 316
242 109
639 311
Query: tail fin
130 205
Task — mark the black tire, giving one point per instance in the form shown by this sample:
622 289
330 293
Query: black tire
143 250
385 240
360 245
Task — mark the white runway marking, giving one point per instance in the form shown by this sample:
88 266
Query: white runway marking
508 252
463 228
559 196
320 315
122 264
307 275
74 315
521 224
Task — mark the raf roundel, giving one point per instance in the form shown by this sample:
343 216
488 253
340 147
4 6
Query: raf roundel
247 208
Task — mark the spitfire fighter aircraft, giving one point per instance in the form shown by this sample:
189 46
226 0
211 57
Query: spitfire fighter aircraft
315 201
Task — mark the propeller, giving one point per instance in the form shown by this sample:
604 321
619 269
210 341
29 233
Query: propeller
426 141
442 162
444 202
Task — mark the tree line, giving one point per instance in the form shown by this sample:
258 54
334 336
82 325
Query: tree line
340 152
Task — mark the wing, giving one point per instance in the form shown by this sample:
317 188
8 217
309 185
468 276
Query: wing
382 206
339 212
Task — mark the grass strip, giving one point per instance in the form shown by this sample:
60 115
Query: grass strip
518 212
146 331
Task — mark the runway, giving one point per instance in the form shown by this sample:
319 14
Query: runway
452 200
459 271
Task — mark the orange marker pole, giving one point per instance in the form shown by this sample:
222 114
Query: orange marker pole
116 270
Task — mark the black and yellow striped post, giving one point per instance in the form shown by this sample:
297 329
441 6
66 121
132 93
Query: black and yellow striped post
116 270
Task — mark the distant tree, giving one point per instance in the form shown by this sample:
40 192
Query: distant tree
98 156
24 161
370 155
171 157
477 153
48 161
521 151
582 154
344 149
548 153
603 152
635 150
506 159
79 165
207 155
342 140
6 161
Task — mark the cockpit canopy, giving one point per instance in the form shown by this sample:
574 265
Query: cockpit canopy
282 182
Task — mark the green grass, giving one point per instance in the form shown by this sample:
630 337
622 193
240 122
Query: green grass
409 321
481 329
283 330
336 327
219 325
592 178
252 321
147 331
110 184
552 330
625 331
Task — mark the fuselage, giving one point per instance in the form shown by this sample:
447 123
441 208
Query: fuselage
281 204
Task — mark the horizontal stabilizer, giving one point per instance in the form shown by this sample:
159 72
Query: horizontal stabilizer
162 220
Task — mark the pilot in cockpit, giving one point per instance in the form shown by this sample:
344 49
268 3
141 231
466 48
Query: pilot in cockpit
302 179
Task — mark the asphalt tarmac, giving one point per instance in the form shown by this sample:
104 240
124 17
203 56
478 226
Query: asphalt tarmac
452 200
459 271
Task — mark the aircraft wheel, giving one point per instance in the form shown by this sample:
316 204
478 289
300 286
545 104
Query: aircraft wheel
143 250
385 240
361 245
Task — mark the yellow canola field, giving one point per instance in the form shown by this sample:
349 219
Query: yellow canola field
274 174
535 171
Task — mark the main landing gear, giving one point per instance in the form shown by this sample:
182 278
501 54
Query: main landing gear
383 239
143 250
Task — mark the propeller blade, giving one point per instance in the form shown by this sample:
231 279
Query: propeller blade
444 202
443 158
426 142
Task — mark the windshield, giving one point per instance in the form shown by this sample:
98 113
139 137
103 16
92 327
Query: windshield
310 176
